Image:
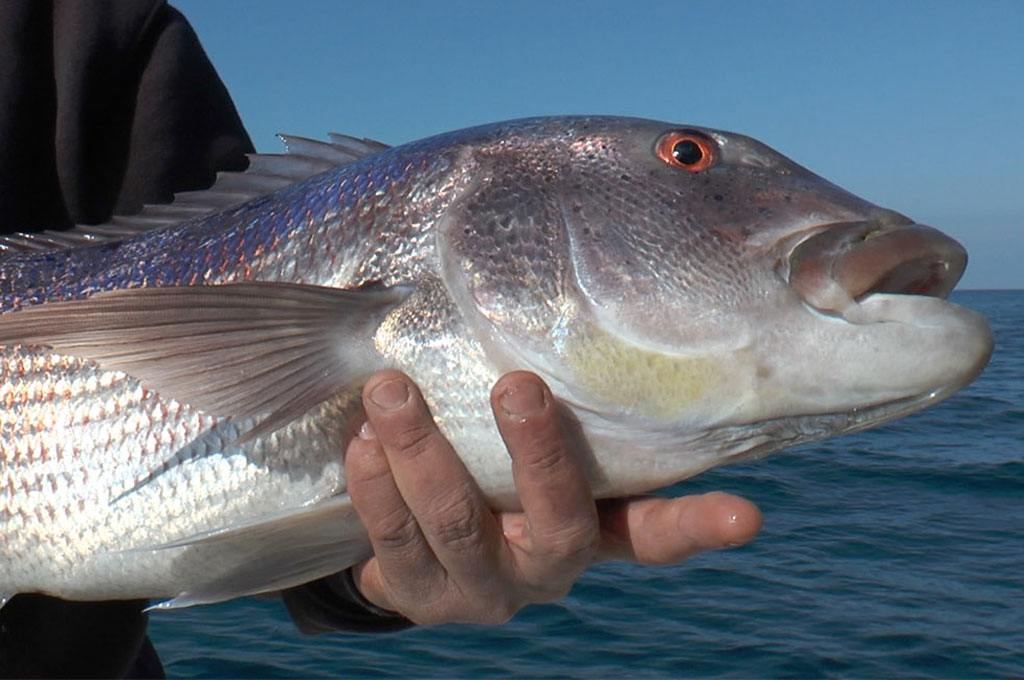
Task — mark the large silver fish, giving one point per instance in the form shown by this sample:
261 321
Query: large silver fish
174 399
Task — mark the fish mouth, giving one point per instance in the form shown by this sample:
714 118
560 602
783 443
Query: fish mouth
839 266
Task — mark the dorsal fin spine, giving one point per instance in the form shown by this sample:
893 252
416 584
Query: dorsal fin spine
303 158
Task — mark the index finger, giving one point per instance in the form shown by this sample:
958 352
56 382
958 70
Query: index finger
431 486
550 475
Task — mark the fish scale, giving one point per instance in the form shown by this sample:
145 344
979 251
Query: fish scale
178 389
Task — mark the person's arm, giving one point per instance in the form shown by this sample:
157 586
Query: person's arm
441 555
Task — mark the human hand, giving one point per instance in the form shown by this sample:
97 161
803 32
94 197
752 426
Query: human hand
441 555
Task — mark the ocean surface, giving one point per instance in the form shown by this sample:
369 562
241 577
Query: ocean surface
894 552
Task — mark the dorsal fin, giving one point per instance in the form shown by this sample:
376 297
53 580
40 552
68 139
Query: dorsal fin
302 159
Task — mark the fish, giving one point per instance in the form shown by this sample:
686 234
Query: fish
178 387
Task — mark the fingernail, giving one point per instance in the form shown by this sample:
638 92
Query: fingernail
513 527
523 400
366 431
390 395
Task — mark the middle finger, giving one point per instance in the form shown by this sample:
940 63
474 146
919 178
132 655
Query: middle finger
562 530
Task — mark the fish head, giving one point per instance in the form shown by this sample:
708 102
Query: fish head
682 284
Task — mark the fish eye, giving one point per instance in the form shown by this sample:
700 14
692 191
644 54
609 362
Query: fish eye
687 150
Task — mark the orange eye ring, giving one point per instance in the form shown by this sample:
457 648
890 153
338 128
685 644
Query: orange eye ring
687 150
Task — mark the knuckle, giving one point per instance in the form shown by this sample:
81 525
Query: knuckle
395 531
412 439
458 525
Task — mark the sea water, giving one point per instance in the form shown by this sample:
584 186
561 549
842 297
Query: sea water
894 552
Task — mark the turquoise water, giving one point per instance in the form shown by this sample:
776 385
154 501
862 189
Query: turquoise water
896 552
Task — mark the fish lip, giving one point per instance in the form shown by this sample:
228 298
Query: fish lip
833 267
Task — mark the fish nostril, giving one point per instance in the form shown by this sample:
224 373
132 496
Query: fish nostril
884 222
890 219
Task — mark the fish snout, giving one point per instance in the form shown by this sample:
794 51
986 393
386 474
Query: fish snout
838 265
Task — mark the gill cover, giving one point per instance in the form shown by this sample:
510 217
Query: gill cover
564 257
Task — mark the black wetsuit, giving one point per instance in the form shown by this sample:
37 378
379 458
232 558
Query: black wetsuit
105 106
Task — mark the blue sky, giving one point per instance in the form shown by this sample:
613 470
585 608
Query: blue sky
918 106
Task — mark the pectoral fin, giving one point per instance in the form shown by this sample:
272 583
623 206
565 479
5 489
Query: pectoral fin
243 350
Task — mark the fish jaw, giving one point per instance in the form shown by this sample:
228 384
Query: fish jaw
870 320
902 349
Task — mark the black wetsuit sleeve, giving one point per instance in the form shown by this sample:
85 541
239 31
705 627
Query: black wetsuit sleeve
335 604
105 106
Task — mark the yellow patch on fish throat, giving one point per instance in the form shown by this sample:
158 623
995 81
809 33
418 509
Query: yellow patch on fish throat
643 381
